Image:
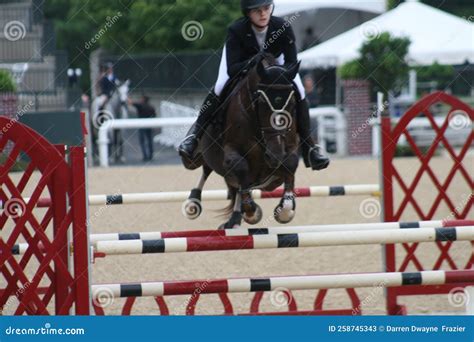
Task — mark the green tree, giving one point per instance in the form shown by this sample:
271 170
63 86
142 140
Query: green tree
443 75
391 4
381 61
7 84
141 26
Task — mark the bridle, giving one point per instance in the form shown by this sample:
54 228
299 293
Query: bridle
275 112
278 114
281 119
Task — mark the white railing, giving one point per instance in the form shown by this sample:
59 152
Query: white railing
103 139
331 128
173 135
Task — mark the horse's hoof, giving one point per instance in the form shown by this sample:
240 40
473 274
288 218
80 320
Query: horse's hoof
256 217
283 215
285 211
192 208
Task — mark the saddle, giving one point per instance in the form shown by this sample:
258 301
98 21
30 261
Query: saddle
230 88
217 124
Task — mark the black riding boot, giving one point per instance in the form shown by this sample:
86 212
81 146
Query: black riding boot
188 146
311 152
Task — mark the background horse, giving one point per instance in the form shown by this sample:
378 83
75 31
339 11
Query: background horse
257 147
115 108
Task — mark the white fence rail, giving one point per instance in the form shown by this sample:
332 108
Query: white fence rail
331 127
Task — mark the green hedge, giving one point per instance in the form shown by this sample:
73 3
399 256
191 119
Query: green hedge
7 85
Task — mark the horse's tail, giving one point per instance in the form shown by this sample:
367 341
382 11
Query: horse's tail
232 192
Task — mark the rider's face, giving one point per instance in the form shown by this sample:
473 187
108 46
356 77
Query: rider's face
261 16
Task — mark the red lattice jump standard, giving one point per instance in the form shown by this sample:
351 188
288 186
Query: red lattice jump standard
57 239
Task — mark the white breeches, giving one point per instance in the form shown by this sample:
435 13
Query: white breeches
223 76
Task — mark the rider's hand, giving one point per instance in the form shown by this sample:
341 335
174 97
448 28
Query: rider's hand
254 61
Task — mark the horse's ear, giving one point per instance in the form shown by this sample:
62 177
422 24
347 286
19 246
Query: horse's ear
293 70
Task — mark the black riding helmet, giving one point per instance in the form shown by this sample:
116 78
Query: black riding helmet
247 5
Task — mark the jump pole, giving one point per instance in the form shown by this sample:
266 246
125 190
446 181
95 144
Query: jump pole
199 244
308 282
94 238
20 249
220 195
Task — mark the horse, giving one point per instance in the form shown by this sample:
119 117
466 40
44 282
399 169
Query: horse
257 146
116 107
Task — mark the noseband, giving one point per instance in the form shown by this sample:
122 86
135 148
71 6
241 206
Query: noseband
278 114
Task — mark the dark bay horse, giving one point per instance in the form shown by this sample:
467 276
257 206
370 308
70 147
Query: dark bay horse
256 147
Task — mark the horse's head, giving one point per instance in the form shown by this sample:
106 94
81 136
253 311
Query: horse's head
276 101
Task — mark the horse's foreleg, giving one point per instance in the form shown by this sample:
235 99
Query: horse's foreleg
237 167
117 150
285 210
235 219
252 213
120 147
192 207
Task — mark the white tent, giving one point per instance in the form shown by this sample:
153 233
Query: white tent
285 7
315 21
435 36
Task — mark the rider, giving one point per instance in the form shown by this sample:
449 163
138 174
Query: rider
107 84
257 31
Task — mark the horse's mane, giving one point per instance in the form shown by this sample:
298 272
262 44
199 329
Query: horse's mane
269 59
251 77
